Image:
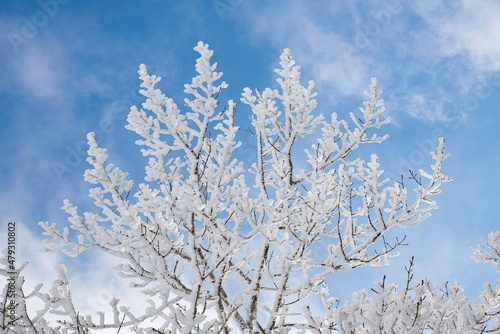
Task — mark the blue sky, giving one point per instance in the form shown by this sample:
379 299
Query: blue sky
70 67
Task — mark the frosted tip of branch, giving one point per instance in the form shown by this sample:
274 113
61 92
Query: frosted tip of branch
90 137
286 58
202 49
61 270
142 70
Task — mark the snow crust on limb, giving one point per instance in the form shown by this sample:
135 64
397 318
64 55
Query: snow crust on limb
211 258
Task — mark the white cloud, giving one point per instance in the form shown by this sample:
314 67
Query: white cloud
40 268
428 64
42 69
466 27
421 107
322 51
93 282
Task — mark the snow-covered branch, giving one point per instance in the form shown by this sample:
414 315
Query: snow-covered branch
214 258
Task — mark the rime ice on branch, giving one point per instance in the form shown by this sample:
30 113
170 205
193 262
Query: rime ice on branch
213 259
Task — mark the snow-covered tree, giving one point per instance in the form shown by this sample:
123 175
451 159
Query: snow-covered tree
221 247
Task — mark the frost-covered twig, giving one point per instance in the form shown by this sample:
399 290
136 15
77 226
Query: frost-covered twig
214 258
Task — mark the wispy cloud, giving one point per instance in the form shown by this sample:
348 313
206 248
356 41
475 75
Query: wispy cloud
466 28
315 45
425 66
45 72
